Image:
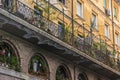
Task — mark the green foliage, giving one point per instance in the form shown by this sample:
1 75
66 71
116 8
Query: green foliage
67 36
2 58
103 48
14 63
10 61
41 23
48 10
114 52
96 45
35 59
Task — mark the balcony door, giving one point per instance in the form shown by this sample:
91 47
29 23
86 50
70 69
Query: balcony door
60 30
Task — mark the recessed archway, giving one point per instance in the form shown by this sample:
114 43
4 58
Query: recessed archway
63 73
9 56
38 66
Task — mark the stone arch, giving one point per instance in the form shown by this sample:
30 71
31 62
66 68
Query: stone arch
82 76
63 73
38 66
9 55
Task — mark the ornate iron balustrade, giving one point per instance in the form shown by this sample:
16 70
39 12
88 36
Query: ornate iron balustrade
84 42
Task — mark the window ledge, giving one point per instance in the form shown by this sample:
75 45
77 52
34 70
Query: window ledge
18 75
107 38
116 18
96 29
9 72
117 45
81 18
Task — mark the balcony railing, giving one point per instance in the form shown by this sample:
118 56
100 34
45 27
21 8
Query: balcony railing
82 38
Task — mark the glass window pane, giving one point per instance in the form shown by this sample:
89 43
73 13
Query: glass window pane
94 21
105 3
107 31
115 12
79 9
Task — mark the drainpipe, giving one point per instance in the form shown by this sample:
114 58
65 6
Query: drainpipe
73 34
48 9
113 26
48 12
72 22
63 15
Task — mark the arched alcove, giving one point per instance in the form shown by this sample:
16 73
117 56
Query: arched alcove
63 73
38 66
9 56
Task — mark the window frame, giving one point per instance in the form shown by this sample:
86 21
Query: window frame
105 3
9 56
43 65
95 23
117 39
37 10
115 12
80 12
62 1
107 31
61 27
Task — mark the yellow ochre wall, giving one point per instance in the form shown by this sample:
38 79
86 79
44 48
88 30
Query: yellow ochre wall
89 7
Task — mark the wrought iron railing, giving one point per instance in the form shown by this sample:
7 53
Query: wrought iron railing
82 40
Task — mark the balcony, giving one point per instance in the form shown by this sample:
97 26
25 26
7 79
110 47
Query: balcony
82 46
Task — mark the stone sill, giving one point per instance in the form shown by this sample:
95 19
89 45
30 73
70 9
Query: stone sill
14 74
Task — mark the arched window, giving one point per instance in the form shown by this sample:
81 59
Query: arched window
62 73
82 76
38 66
8 57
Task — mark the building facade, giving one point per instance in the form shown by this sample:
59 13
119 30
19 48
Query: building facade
59 40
